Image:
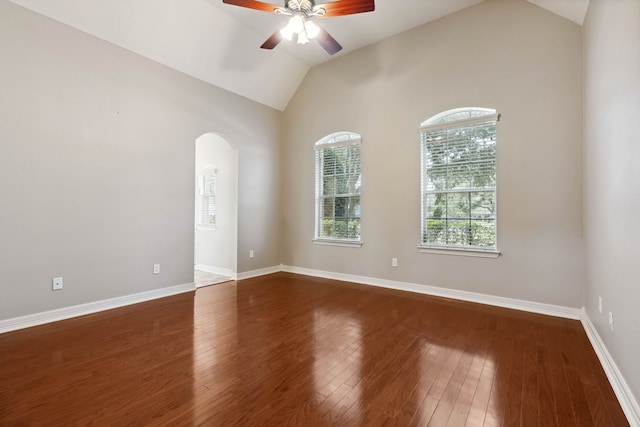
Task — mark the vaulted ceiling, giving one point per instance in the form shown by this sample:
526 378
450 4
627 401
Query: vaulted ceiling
219 43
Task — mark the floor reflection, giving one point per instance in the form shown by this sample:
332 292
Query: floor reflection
337 338
216 348
126 365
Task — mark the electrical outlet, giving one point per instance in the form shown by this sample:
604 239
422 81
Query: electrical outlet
156 268
611 321
394 262
600 304
57 283
251 253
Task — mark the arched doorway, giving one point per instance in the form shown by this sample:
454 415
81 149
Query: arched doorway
216 210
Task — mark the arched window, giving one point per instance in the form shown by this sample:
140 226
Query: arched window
458 152
338 183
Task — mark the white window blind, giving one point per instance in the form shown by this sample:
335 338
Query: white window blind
458 150
338 184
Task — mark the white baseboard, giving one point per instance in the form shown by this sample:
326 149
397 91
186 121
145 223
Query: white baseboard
621 389
533 307
36 319
216 270
27 321
259 272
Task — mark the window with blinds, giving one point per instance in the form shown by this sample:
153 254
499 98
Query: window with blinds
207 189
458 152
338 183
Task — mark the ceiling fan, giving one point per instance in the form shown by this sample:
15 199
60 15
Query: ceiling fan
301 25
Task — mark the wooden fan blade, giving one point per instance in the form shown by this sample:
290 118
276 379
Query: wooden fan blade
253 4
327 42
272 41
345 7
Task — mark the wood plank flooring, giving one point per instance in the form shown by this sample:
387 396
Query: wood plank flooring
286 349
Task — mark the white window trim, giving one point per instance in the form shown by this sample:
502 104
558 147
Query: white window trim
478 253
206 227
459 123
340 243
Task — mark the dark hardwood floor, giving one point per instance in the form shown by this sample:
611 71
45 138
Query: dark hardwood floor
286 349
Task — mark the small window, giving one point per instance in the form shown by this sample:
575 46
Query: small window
207 189
458 152
338 184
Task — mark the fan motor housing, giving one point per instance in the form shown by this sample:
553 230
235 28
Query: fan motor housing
300 5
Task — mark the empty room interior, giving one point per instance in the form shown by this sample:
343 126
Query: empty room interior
393 213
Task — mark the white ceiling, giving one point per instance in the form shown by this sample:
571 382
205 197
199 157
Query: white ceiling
219 43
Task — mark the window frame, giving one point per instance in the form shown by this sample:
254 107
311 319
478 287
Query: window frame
440 122
337 139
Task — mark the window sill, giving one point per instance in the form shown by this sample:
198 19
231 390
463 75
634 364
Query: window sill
478 253
342 243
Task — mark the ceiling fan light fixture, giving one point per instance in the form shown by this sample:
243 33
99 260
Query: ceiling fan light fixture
302 27
312 29
287 33
296 23
303 38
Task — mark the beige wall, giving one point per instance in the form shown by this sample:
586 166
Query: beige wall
97 151
503 54
612 177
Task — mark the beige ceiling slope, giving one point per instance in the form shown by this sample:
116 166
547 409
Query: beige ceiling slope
219 43
189 36
573 10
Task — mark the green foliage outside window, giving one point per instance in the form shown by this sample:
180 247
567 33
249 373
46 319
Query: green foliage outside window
460 233
338 178
459 181
341 229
